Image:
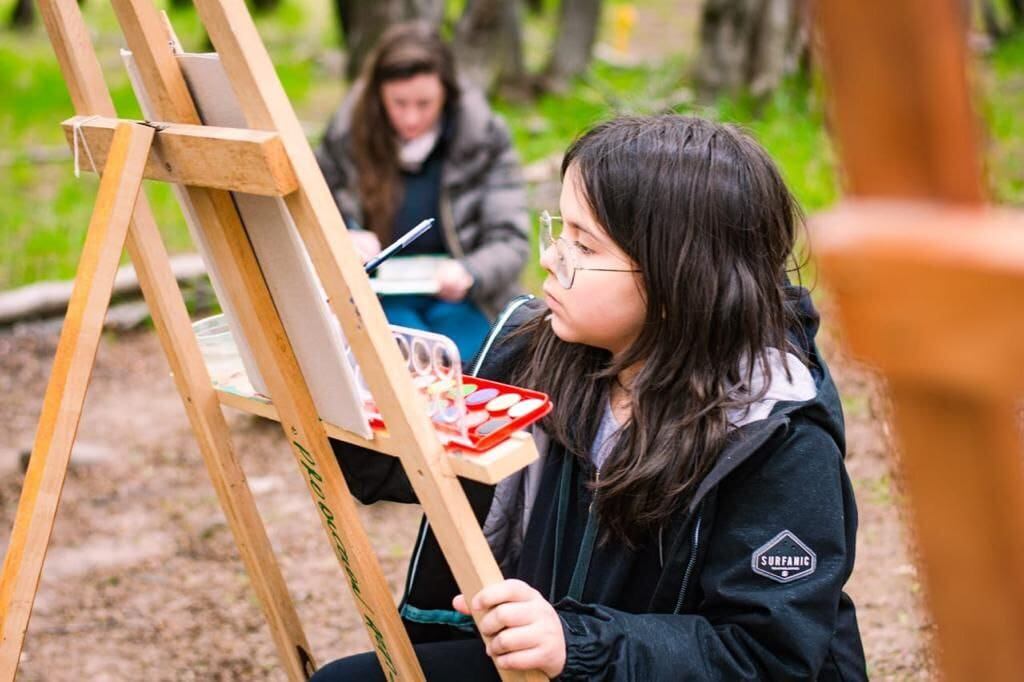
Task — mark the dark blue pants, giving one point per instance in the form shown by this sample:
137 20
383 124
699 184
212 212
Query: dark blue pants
460 660
462 322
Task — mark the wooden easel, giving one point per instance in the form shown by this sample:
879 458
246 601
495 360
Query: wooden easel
272 157
930 286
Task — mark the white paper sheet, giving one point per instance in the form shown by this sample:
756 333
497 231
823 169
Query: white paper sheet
407 275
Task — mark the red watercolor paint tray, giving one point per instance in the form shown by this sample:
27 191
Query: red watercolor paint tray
530 407
493 412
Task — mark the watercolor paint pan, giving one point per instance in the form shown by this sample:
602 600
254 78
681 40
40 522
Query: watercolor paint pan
493 411
508 408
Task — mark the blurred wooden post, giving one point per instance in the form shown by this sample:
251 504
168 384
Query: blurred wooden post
930 288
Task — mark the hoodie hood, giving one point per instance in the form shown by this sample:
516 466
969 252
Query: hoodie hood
787 379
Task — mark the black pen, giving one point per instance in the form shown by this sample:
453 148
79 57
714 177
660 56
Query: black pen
399 244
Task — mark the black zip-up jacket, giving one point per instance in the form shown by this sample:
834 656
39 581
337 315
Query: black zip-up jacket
744 584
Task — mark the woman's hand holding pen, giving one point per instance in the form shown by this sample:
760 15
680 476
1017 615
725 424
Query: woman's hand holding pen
453 281
524 629
366 243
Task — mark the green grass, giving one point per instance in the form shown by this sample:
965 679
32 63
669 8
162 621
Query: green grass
1004 83
548 125
44 209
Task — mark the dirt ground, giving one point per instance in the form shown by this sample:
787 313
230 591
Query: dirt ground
142 580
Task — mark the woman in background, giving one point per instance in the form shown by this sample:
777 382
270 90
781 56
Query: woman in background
410 142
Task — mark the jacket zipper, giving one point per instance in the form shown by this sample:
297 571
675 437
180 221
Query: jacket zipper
414 564
448 226
513 306
691 562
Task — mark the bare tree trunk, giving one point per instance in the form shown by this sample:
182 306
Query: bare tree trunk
990 18
488 44
749 46
515 81
361 23
428 10
23 15
1017 10
574 42
1001 19
264 6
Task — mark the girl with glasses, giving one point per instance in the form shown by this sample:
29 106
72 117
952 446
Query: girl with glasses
691 517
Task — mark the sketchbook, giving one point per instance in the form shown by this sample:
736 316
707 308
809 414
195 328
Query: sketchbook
407 275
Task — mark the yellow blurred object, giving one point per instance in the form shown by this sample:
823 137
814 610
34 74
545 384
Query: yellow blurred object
623 19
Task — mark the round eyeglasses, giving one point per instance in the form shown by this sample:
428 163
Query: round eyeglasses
567 256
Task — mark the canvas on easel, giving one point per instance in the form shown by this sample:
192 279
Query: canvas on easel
312 328
279 163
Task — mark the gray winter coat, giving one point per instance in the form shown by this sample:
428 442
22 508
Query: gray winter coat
483 198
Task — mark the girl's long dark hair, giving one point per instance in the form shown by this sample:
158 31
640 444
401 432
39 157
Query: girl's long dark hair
705 215
404 50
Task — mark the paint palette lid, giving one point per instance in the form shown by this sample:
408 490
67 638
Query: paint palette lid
470 413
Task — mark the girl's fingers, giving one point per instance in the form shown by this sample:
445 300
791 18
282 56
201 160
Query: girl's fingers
507 615
511 640
526 659
459 604
499 593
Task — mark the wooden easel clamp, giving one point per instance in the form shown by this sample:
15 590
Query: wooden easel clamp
271 157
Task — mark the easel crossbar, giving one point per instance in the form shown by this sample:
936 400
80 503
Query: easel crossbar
234 159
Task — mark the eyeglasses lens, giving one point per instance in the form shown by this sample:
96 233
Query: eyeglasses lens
550 233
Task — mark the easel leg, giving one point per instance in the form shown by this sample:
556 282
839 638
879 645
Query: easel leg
90 95
214 438
65 393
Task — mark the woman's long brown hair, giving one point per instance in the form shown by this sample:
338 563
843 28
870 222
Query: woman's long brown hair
704 213
404 51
